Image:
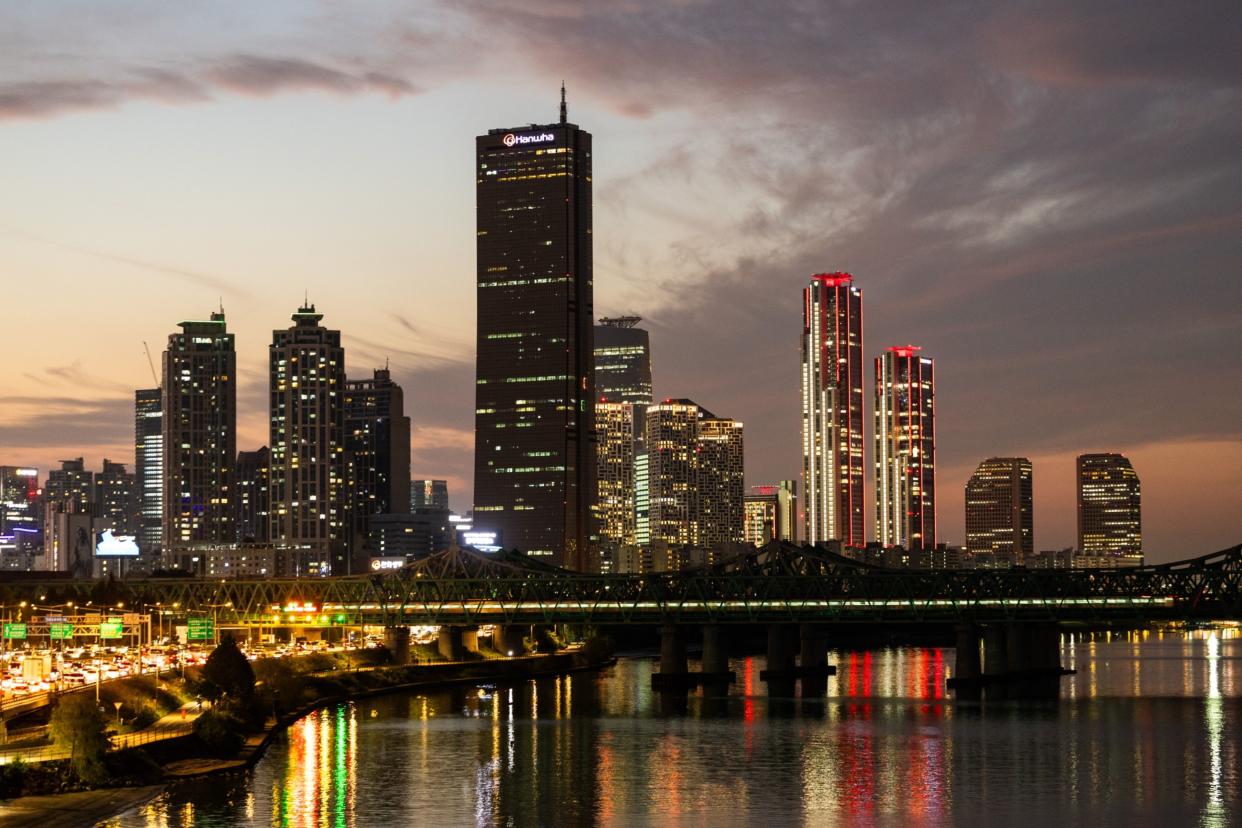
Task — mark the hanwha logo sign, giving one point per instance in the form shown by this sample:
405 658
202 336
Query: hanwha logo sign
512 139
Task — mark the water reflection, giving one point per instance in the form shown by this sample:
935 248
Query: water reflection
1146 731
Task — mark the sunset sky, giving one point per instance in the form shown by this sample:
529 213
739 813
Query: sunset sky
1046 196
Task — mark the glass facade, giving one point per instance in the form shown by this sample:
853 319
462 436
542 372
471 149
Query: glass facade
149 468
534 480
1000 509
1110 521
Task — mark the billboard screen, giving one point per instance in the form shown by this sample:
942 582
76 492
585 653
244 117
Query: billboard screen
108 545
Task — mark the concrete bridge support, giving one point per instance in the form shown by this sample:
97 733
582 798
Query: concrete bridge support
512 639
813 655
452 644
715 650
995 659
397 640
781 653
968 663
673 651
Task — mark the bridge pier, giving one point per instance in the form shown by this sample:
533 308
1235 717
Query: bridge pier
968 664
512 639
397 640
451 643
995 660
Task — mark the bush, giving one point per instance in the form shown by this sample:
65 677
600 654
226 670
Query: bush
12 778
220 732
228 673
598 648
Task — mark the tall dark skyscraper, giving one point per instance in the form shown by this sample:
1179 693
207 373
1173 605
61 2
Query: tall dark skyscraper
310 498
1110 523
622 361
377 445
149 468
534 473
114 499
200 434
905 449
1000 510
428 494
832 409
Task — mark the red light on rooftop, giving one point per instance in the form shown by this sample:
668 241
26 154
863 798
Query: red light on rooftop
833 279
905 350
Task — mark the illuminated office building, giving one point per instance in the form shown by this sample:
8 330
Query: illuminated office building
71 488
1110 525
905 449
21 533
377 447
771 513
1000 509
199 405
309 495
616 444
253 496
832 409
719 481
428 493
534 480
149 469
622 361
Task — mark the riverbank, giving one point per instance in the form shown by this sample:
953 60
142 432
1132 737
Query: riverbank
183 759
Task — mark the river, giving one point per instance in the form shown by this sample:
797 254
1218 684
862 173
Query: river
1146 733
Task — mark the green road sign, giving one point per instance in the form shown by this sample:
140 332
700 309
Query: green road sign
110 629
60 630
200 629
14 630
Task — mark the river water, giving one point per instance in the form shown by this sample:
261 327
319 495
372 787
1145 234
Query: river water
1146 733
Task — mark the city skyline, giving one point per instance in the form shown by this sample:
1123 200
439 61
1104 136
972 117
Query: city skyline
1022 308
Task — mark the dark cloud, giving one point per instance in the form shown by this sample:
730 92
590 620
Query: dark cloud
264 76
43 423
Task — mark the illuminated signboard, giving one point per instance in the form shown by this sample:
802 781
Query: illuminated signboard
61 631
110 629
518 139
387 562
108 545
200 629
481 540
14 630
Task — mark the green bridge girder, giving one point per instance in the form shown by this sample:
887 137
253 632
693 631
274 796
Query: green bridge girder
780 583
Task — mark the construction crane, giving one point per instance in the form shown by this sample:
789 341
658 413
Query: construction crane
151 363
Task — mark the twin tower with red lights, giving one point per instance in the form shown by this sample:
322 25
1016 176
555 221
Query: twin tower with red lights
833 416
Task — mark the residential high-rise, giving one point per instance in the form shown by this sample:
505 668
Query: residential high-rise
616 441
428 493
309 497
200 435
534 480
999 509
115 499
832 409
21 533
71 488
622 361
694 476
377 447
905 449
1110 521
149 469
253 496
719 481
771 513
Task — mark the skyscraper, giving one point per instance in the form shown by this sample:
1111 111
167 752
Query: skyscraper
20 519
309 500
377 446
200 434
905 449
617 440
771 513
832 409
1110 521
694 476
115 499
71 488
429 493
534 480
253 496
622 361
149 469
999 509
719 481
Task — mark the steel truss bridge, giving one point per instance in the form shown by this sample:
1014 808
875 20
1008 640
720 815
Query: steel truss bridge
779 583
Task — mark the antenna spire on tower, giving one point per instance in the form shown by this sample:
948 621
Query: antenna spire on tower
564 108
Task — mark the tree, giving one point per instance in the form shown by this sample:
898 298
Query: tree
228 673
81 727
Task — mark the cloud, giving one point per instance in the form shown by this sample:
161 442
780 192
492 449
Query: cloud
266 76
